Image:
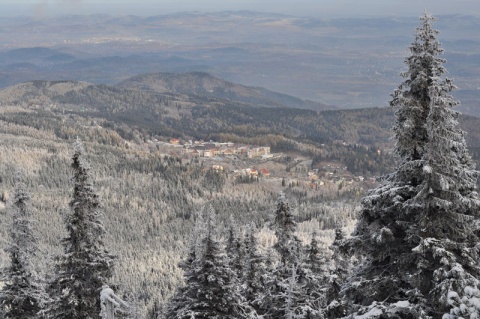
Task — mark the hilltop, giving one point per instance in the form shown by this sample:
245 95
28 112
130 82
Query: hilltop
207 85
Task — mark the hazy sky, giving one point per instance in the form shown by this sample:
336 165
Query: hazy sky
316 8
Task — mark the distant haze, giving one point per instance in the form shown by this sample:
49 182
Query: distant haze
316 8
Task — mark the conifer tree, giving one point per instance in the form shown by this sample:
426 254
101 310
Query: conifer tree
255 271
179 304
336 307
280 286
86 264
288 244
314 271
316 257
288 286
412 97
155 311
212 291
446 209
21 296
235 249
417 233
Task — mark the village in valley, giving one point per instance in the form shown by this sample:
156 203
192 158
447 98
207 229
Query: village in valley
245 163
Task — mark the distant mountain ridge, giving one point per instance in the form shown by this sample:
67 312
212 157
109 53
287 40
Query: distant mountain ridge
198 116
207 85
186 88
346 62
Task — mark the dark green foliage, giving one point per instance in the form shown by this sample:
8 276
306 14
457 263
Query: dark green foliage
214 180
383 221
342 265
154 312
316 259
246 179
315 270
184 294
359 159
288 245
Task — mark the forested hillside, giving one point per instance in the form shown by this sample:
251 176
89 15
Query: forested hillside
180 223
204 84
148 200
140 115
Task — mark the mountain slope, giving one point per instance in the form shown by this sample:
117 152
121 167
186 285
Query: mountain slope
193 116
148 201
166 115
207 85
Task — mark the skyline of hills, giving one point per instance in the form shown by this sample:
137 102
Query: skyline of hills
348 63
200 106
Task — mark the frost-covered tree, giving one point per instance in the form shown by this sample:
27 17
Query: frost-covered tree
467 306
314 271
417 233
21 296
131 308
212 290
446 208
235 249
155 311
289 286
86 264
255 271
288 248
316 259
336 307
412 97
179 304
288 245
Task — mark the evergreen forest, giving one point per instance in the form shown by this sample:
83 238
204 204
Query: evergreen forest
96 205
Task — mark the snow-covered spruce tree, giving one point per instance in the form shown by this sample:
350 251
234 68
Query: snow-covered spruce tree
179 305
315 270
412 97
288 245
336 307
21 296
467 306
235 249
86 264
212 291
255 271
316 259
447 210
288 248
289 284
417 232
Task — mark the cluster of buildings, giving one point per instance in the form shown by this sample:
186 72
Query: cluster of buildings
253 172
212 149
326 175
